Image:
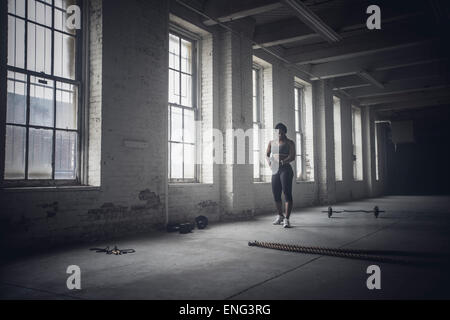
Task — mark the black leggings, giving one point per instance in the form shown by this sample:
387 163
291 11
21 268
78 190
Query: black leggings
282 180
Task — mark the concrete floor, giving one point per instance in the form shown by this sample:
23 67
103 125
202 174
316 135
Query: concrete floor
217 263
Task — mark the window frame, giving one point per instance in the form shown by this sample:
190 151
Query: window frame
300 110
339 106
376 151
259 118
307 126
356 177
183 34
79 82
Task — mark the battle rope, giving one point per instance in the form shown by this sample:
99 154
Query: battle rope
114 251
335 252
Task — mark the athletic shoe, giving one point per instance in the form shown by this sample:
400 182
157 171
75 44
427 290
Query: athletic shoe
278 220
286 223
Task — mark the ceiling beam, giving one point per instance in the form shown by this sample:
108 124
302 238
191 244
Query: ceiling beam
225 11
388 60
396 87
370 43
406 97
313 21
404 73
365 75
293 30
434 102
349 82
281 32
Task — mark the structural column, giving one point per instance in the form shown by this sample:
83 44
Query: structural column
368 149
324 141
235 113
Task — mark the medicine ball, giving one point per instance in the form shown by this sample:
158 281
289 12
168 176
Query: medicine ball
202 222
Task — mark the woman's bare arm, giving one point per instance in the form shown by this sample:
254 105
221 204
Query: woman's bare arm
291 156
268 152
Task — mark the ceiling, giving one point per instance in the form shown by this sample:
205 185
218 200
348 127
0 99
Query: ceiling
405 65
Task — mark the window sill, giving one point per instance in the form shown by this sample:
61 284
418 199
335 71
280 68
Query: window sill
305 182
50 189
261 182
187 184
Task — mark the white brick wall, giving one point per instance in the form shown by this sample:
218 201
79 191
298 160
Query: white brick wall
128 82
206 106
95 91
128 101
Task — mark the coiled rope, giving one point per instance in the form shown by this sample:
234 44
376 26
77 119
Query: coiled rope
334 252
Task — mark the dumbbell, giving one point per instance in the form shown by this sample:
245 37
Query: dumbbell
182 228
186 228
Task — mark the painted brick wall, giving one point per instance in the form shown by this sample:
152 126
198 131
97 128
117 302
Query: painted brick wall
128 103
128 82
95 43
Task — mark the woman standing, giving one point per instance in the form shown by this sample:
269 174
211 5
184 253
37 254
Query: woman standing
283 153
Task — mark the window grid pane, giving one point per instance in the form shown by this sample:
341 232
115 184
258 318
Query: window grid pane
298 133
66 155
337 139
305 137
182 110
42 113
15 153
17 7
64 52
60 19
257 111
40 154
299 162
16 42
377 174
66 106
16 99
186 56
39 48
357 144
41 102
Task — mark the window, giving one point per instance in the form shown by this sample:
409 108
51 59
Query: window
337 138
43 93
377 175
262 125
299 131
182 109
257 120
357 144
304 132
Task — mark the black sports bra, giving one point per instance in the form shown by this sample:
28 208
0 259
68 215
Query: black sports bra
283 148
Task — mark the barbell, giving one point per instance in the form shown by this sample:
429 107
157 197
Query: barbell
376 211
